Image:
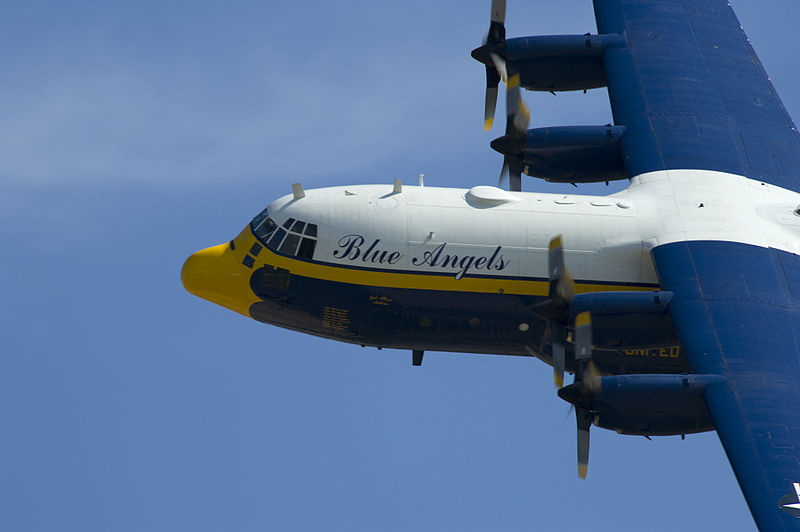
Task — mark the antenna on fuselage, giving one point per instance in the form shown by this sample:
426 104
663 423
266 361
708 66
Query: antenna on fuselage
297 191
398 186
422 180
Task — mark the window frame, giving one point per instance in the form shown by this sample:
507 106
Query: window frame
306 236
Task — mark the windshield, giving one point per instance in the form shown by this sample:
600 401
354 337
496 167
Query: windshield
294 237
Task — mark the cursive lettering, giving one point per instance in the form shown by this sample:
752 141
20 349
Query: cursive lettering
350 247
353 248
463 264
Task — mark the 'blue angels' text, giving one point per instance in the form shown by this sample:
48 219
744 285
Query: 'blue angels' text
352 247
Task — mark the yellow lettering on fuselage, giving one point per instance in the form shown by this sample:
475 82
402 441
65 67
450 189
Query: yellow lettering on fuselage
663 352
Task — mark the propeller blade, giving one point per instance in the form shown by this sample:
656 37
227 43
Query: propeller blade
519 116
561 284
515 174
591 378
512 144
510 147
583 337
492 54
500 66
559 339
492 81
584 419
512 102
503 172
522 119
497 29
499 11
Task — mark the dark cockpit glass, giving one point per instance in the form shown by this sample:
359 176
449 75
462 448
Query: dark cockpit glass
258 219
276 239
289 245
306 250
265 229
294 237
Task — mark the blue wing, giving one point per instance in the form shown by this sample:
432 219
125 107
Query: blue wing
692 94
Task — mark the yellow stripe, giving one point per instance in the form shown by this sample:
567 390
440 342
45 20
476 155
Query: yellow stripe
421 281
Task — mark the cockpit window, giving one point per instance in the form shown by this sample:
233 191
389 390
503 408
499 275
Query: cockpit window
276 239
289 245
306 249
294 237
259 219
264 230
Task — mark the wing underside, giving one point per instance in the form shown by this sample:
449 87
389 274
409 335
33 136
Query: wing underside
743 323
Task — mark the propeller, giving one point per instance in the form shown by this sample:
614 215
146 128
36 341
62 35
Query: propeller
586 377
493 55
493 44
556 309
582 391
512 144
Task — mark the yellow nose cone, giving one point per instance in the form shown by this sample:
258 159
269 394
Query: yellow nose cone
216 275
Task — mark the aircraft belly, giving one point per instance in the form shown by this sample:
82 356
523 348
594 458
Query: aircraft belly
468 322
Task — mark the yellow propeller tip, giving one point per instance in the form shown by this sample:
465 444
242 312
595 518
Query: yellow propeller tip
559 380
582 470
555 242
583 318
513 81
487 124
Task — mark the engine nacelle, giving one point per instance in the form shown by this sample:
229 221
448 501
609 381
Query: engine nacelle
646 405
575 154
560 62
627 320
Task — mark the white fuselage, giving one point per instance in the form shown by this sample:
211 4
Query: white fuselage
607 238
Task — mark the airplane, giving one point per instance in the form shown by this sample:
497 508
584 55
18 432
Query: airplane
674 302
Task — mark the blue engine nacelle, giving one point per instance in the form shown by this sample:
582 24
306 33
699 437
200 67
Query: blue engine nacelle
560 62
646 405
575 154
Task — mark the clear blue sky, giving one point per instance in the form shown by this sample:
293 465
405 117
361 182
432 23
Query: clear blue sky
134 133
